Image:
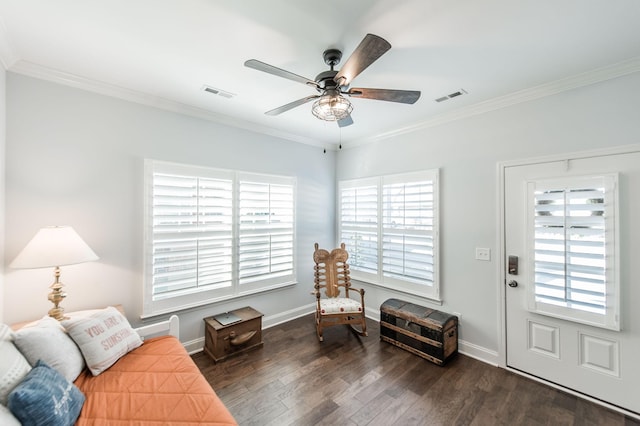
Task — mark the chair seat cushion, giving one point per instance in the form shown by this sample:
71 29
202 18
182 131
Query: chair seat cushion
339 305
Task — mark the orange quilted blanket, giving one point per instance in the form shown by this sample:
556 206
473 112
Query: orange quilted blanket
157 383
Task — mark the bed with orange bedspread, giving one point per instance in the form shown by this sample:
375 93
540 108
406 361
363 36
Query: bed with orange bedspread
157 383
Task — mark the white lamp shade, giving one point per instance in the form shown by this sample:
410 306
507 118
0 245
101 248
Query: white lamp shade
54 246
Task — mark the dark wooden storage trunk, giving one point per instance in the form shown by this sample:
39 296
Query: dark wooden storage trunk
222 341
428 333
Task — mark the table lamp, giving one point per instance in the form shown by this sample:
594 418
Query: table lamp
54 246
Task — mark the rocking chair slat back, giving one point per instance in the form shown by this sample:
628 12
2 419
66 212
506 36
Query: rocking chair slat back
331 273
332 270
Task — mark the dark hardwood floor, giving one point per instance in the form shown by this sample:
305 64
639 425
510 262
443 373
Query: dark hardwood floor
350 380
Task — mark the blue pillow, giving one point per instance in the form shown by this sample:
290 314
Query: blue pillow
45 397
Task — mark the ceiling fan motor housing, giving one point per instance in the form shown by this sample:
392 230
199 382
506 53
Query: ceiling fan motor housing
332 57
325 80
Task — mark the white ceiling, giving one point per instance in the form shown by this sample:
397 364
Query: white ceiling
162 52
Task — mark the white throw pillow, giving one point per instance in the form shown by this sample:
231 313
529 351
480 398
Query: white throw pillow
6 333
6 418
103 337
50 343
13 365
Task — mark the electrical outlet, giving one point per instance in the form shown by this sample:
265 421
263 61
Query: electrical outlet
483 253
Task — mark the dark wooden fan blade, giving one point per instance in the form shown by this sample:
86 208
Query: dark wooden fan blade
367 52
347 121
390 95
291 105
261 66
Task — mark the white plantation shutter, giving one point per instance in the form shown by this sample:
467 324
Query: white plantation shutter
192 233
573 247
408 231
389 227
214 234
359 226
266 229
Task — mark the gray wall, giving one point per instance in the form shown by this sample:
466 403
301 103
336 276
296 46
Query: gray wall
76 158
467 152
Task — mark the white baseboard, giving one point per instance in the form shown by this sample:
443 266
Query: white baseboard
197 345
273 320
472 350
194 346
478 352
466 348
469 349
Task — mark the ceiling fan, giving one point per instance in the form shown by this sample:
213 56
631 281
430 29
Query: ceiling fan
333 86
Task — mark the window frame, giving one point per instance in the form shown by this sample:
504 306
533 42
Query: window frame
379 278
610 319
195 297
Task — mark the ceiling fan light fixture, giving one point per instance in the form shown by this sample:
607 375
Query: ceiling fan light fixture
332 106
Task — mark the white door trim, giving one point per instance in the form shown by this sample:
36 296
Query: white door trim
501 264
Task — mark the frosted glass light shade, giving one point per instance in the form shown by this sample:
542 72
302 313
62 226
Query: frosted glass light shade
54 246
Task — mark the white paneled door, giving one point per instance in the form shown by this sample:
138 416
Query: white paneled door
572 290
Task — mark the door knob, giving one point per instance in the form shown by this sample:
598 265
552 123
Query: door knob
512 283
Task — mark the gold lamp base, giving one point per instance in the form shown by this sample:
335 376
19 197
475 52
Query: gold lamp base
56 296
54 246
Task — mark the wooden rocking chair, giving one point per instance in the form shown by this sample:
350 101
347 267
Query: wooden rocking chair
331 272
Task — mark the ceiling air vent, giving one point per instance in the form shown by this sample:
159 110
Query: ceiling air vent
451 95
218 92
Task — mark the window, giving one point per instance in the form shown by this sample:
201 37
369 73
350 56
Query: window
572 242
389 225
266 231
214 234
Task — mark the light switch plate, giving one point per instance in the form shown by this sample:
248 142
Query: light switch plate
483 253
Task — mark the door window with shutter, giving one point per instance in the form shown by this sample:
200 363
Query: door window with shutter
572 225
389 225
214 234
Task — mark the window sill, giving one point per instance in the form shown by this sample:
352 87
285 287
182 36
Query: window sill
214 300
429 299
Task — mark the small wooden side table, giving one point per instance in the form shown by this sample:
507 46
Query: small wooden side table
222 341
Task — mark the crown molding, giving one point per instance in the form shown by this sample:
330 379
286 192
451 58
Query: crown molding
44 73
7 57
552 88
67 79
